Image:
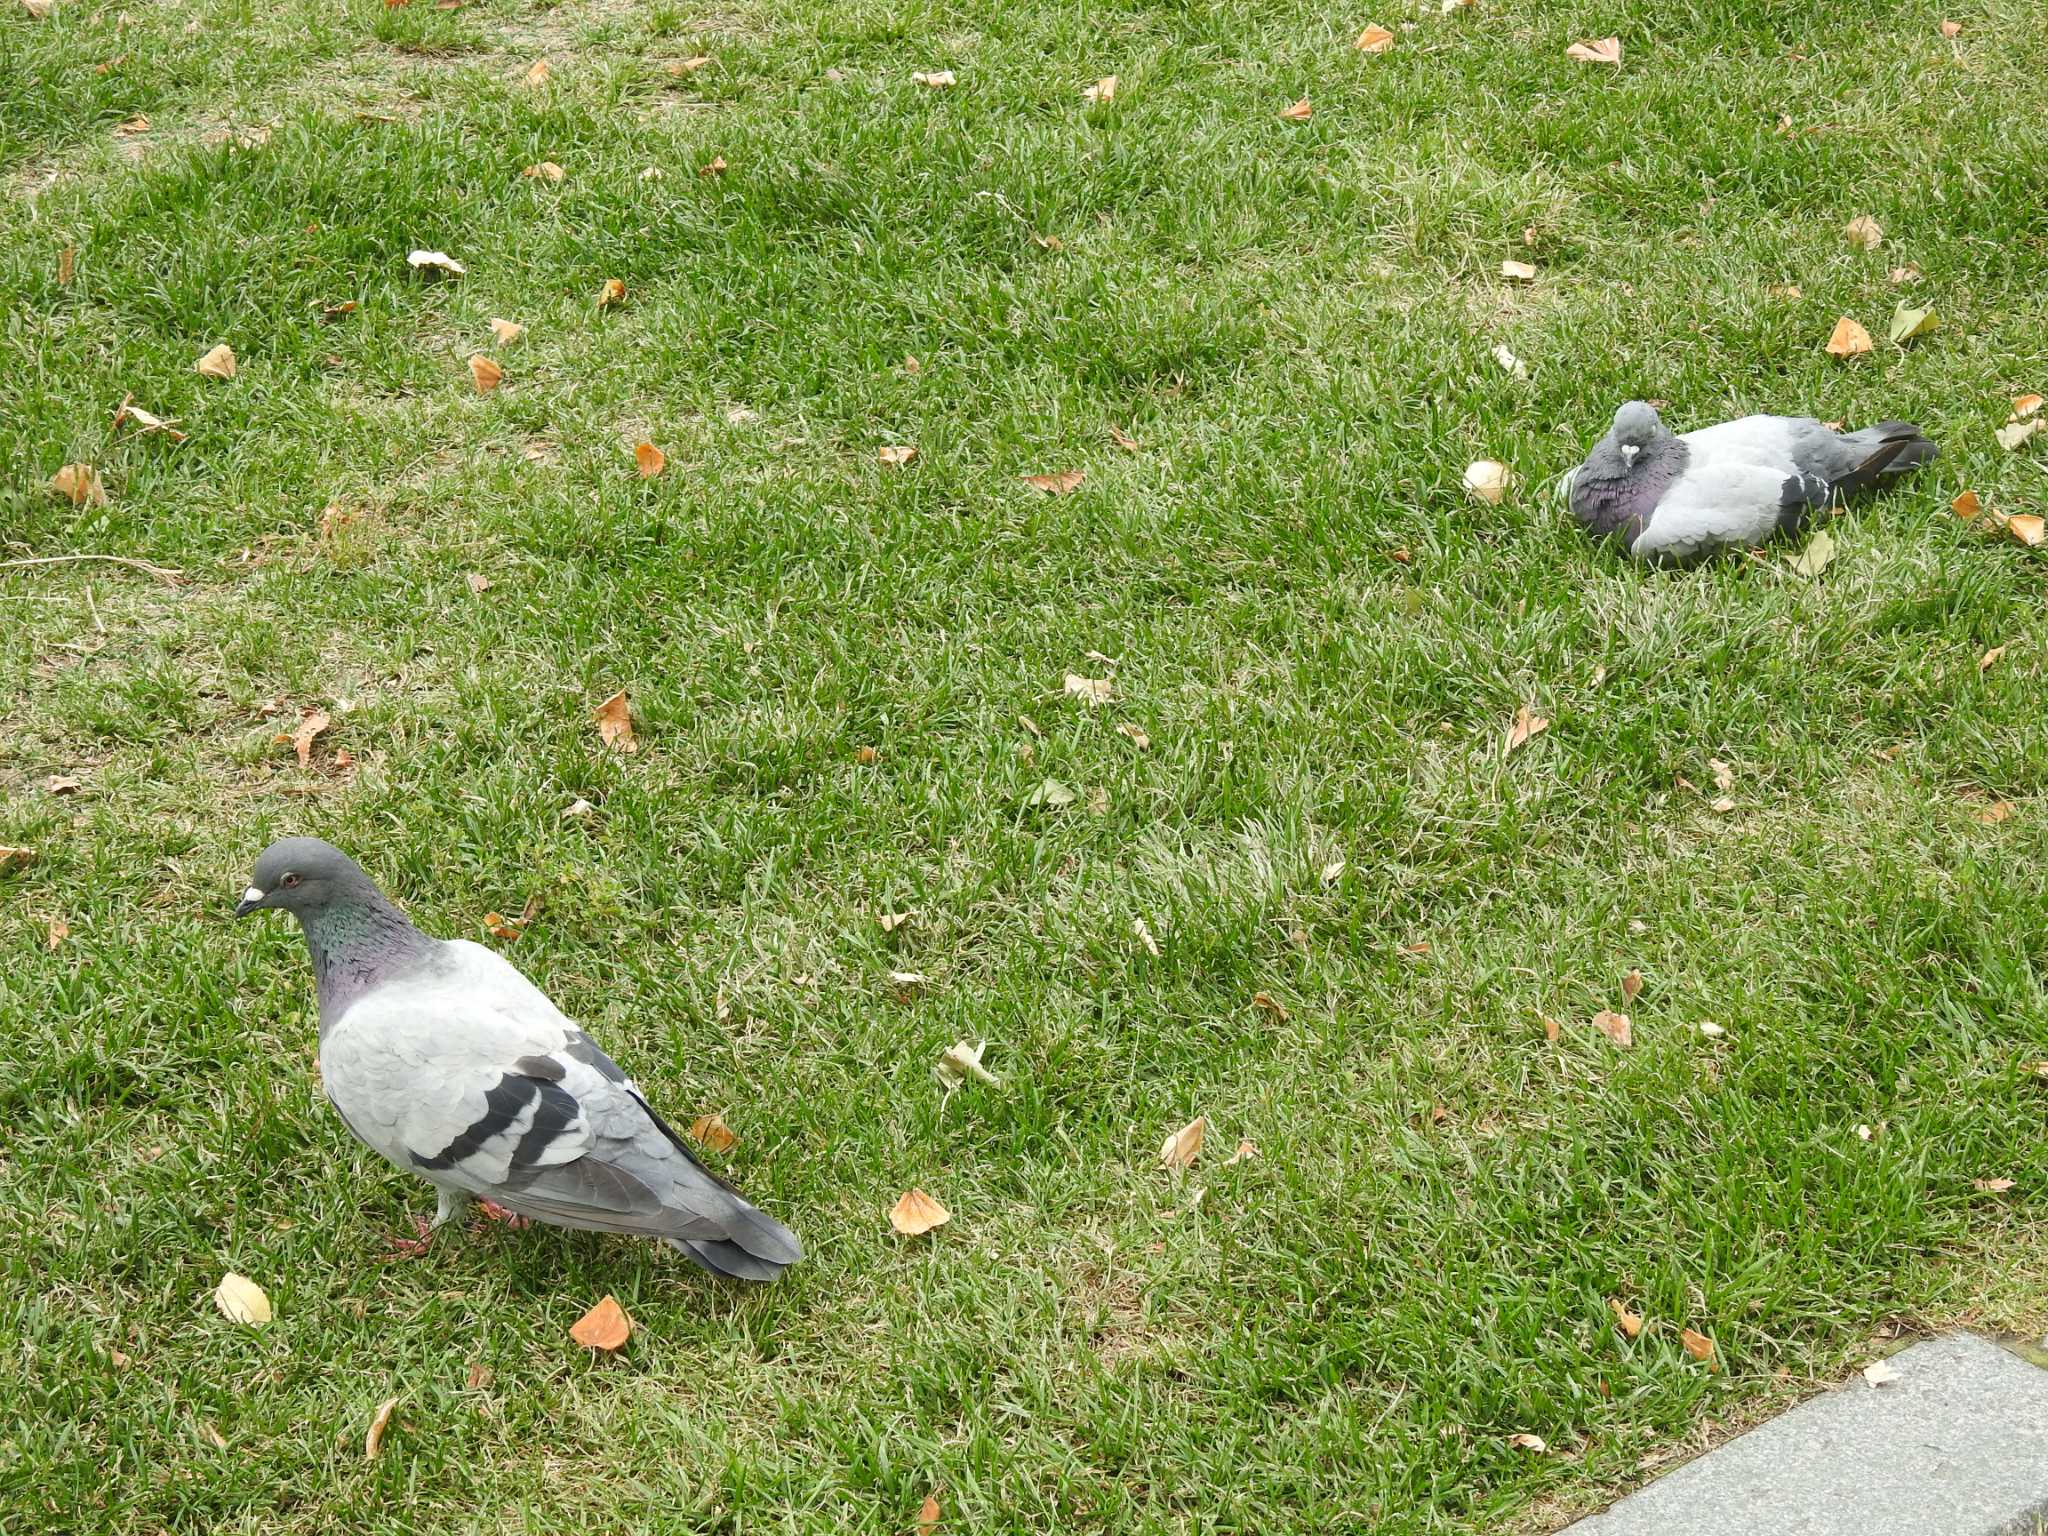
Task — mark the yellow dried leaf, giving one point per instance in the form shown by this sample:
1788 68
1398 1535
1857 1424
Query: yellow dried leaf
544 170
1135 733
1863 232
1951 28
435 261
507 331
487 374
1699 1346
712 1131
2027 528
1488 479
241 1300
373 1442
1528 1442
218 363
1991 815
896 454
916 1213
148 421
612 294
134 125
1244 1153
1991 1186
1615 1026
67 263
1990 658
1061 484
1552 1031
80 483
2024 406
1631 986
1375 39
1527 723
1299 112
605 1326
1090 690
16 858
1603 50
1848 339
1967 505
1630 1323
539 73
713 167
688 66
2013 435
1101 92
1518 271
499 926
1184 1145
311 723
650 460
1271 1006
1784 291
59 932
935 79
1125 441
615 723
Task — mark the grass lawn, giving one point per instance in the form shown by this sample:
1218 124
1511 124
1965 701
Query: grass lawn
1321 638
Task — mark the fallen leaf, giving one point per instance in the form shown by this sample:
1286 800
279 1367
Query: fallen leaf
1951 28
1699 1346
544 170
891 921
935 79
80 483
219 363
1721 806
241 1300
436 261
1784 291
1488 479
1101 92
917 1213
1880 1373
1271 1006
67 263
1967 505
612 294
336 311
865 755
1614 1026
1510 362
1816 557
1334 871
615 723
1143 933
1245 1151
650 459
1908 324
373 1442
577 809
1061 484
1091 690
139 123
911 364
59 931
1184 1145
1517 271
2014 433
1299 112
1527 723
479 1377
1990 658
1865 1133
962 1060
1630 1323
1909 273
1031 725
688 66
928 1515
1712 1030
311 723
507 331
119 1360
1863 232
1528 1442
1991 815
477 582
60 784
896 454
1375 39
1848 339
539 73
486 373
1991 1186
2027 528
499 926
39 9
344 759
1125 441
1050 792
148 421
212 1436
715 166
1724 776
605 1326
1605 50
712 1131
2024 406
1631 986
16 858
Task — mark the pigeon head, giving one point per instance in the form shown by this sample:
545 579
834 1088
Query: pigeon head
305 877
1636 426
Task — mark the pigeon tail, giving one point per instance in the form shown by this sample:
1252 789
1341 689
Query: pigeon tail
1890 448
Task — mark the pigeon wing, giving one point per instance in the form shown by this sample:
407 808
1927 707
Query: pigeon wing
1724 501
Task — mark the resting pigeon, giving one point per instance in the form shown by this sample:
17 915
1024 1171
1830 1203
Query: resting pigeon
442 1057
1674 498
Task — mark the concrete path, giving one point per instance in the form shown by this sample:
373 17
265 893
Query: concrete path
1957 1446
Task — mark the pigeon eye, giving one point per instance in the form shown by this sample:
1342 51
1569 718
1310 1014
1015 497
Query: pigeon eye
290 881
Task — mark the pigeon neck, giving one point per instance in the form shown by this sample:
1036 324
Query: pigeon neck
357 942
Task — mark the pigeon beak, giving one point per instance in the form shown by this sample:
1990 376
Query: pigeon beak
252 898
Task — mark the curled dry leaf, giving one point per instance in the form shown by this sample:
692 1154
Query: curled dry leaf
916 1213
1488 479
1783 291
1271 1006
1699 1346
1375 39
1184 1145
2027 528
1299 112
1880 1373
1603 50
1910 324
1333 871
1090 690
1510 362
615 723
479 1376
61 784
1724 776
688 66
712 1131
1967 505
1245 1153
507 331
373 1442
649 459
934 79
1951 28
477 582
67 264
544 170
1615 1026
499 926
1990 658
612 294
578 809
435 261
1630 1323
1848 339
1518 271
1062 484
147 421
1527 723
896 454
16 858
241 1300
1991 815
139 123
605 1326
487 374
928 1515
80 484
1528 1442
891 921
1712 1030
59 931
1125 441
2013 435
1863 232
1101 92
1142 932
1818 555
1721 806
2024 406
715 166
311 723
1631 986
1135 733
865 755
1991 1186
218 363
539 73
962 1060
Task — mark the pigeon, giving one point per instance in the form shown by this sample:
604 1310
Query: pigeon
439 1055
1674 498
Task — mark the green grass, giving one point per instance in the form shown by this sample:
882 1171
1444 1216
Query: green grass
1295 322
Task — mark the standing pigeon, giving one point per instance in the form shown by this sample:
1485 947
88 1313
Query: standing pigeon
442 1057
1673 498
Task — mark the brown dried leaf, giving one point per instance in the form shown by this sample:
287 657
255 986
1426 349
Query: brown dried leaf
1631 986
1244 1153
539 73
1991 1186
1527 723
218 363
1135 732
1090 690
1630 1323
928 1515
605 1326
1518 271
1271 1006
373 1442
1784 291
544 170
1951 28
1488 479
612 294
615 723
1863 232
688 66
650 460
59 932
241 1300
487 374
1374 39
61 784
477 582
80 483
337 311
865 755
1699 1346
1299 112
712 1131
916 1213
1528 1442
499 926
1101 93
1990 658
1184 1145
148 421
311 723
2024 406
1615 1026
1991 815
139 123
896 454
480 1377
1848 339
1604 50
2027 528
713 167
1125 441
67 263
16 858
1061 484
507 331
1967 505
